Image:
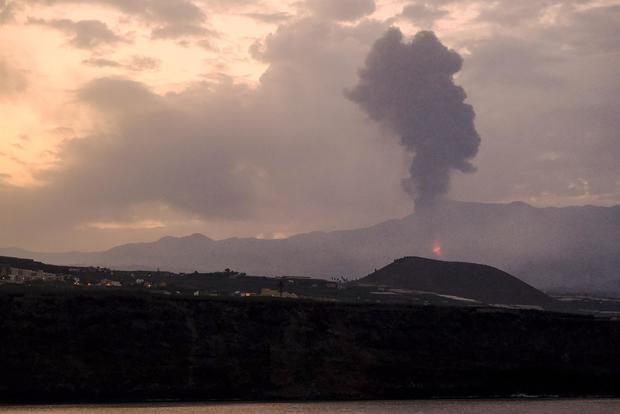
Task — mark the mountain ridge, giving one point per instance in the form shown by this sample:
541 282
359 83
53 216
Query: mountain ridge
573 248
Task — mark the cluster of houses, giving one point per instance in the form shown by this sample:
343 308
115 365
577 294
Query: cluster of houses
220 284
17 275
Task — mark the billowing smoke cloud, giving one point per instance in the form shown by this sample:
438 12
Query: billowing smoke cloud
409 87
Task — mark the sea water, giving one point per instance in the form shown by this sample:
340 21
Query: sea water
524 406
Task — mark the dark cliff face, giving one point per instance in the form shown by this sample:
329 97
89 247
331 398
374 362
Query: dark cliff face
101 347
469 280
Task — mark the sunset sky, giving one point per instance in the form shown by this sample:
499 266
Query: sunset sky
129 120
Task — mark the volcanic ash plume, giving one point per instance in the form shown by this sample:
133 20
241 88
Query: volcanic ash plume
409 88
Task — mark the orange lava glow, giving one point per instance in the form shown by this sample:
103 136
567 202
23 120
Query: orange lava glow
437 249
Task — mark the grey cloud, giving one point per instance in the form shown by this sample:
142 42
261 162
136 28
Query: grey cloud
509 14
515 62
161 153
583 25
143 63
548 95
12 79
409 88
136 63
102 63
203 160
244 128
270 18
515 12
204 44
118 96
157 11
591 31
8 9
179 30
172 11
587 26
285 156
85 34
170 18
423 14
341 9
292 45
230 5
158 157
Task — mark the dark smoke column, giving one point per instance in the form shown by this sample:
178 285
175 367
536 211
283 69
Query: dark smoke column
409 88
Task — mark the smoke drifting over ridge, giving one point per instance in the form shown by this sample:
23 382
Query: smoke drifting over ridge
409 88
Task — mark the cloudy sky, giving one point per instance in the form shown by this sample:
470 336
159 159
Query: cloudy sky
127 120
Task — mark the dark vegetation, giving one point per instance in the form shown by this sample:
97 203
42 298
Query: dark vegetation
93 345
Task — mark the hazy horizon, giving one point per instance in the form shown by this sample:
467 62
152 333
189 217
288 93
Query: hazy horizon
288 236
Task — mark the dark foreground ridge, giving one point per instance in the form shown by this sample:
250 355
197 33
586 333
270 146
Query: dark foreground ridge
123 346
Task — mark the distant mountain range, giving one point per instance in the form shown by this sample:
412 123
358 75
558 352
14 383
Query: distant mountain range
561 249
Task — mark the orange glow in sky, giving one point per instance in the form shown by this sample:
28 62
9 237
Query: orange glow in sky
437 251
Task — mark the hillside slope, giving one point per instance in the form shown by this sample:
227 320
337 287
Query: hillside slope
469 280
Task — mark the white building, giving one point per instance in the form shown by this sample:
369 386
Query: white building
17 275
